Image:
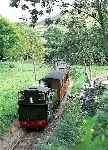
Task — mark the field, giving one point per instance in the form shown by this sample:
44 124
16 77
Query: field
14 77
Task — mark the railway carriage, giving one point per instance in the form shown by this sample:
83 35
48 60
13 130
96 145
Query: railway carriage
58 79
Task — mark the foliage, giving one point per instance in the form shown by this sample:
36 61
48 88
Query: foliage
70 130
8 37
97 11
93 137
51 146
30 44
20 42
35 11
54 36
78 43
77 73
94 8
86 139
83 46
83 42
101 125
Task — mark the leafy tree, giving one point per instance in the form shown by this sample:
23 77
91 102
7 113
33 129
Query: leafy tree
54 36
96 9
8 37
78 44
83 46
32 44
47 6
20 42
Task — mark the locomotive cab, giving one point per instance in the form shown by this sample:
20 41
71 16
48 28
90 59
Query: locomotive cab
35 106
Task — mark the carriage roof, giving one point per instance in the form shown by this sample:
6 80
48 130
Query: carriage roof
56 75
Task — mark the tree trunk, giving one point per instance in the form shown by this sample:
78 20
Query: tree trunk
34 68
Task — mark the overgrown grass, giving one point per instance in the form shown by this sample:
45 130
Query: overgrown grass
14 77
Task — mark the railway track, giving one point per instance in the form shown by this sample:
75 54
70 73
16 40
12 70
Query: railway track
31 138
27 141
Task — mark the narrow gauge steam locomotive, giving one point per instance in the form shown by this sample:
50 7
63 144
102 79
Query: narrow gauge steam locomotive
37 103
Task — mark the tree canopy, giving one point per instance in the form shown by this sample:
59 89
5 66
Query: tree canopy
82 42
86 33
18 41
8 36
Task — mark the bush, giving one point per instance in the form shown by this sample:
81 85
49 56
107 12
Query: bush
77 73
69 129
8 37
101 125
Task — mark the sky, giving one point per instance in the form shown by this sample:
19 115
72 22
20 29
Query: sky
14 14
